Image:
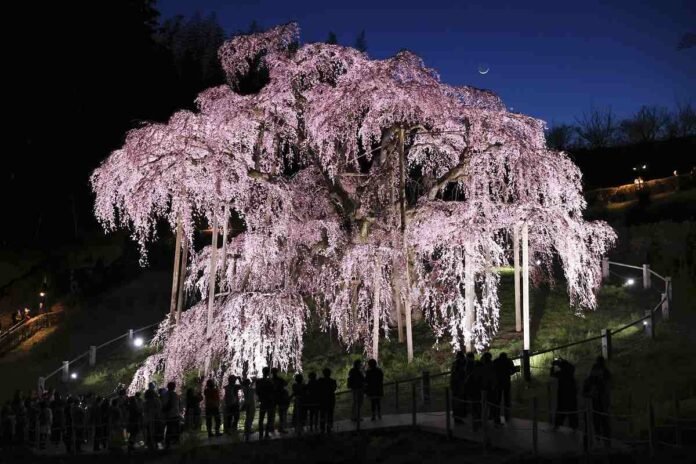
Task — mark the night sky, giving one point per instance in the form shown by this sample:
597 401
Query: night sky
549 59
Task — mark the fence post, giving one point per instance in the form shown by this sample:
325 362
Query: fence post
483 418
605 268
677 422
649 323
448 413
396 396
66 371
651 427
668 288
665 307
130 336
92 356
606 344
425 388
646 276
41 385
535 427
526 368
413 403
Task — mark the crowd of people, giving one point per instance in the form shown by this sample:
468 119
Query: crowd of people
488 381
156 418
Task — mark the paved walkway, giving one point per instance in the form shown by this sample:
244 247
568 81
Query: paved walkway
515 436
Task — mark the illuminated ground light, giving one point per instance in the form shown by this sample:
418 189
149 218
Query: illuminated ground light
73 375
630 282
138 342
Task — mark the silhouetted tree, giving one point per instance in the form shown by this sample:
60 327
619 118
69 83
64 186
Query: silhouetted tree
597 128
332 39
688 40
647 125
683 121
560 137
361 42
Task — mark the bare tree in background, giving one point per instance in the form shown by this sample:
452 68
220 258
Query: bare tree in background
688 40
647 125
683 122
597 127
560 137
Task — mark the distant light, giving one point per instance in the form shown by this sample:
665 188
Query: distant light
675 172
538 262
645 322
630 282
635 169
645 166
138 342
42 294
73 375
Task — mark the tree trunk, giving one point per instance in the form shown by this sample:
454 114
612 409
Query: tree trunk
175 272
375 309
182 278
396 298
516 252
223 282
525 284
212 277
402 207
469 295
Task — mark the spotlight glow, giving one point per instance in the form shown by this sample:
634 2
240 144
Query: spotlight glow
138 342
73 375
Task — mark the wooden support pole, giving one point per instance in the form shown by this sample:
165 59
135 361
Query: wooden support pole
516 262
646 276
665 307
525 285
212 277
649 324
469 295
225 226
606 344
526 367
65 375
399 312
376 280
175 272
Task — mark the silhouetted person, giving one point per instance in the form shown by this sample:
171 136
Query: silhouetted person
281 399
7 425
98 419
212 408
326 393
356 383
311 402
192 416
135 419
45 422
264 392
567 396
172 411
374 388
597 389
298 399
504 369
231 404
472 386
153 422
115 426
457 382
58 412
249 407
489 383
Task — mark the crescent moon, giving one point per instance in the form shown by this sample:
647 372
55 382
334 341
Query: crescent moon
483 70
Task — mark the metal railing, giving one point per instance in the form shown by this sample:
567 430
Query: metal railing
26 328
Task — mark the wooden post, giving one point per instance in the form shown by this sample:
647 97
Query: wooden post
425 387
182 278
225 226
376 279
526 367
668 289
525 284
605 268
606 344
66 371
651 427
665 307
212 277
131 335
646 276
396 396
396 298
92 356
448 413
41 385
413 404
516 260
535 427
402 203
649 323
175 272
